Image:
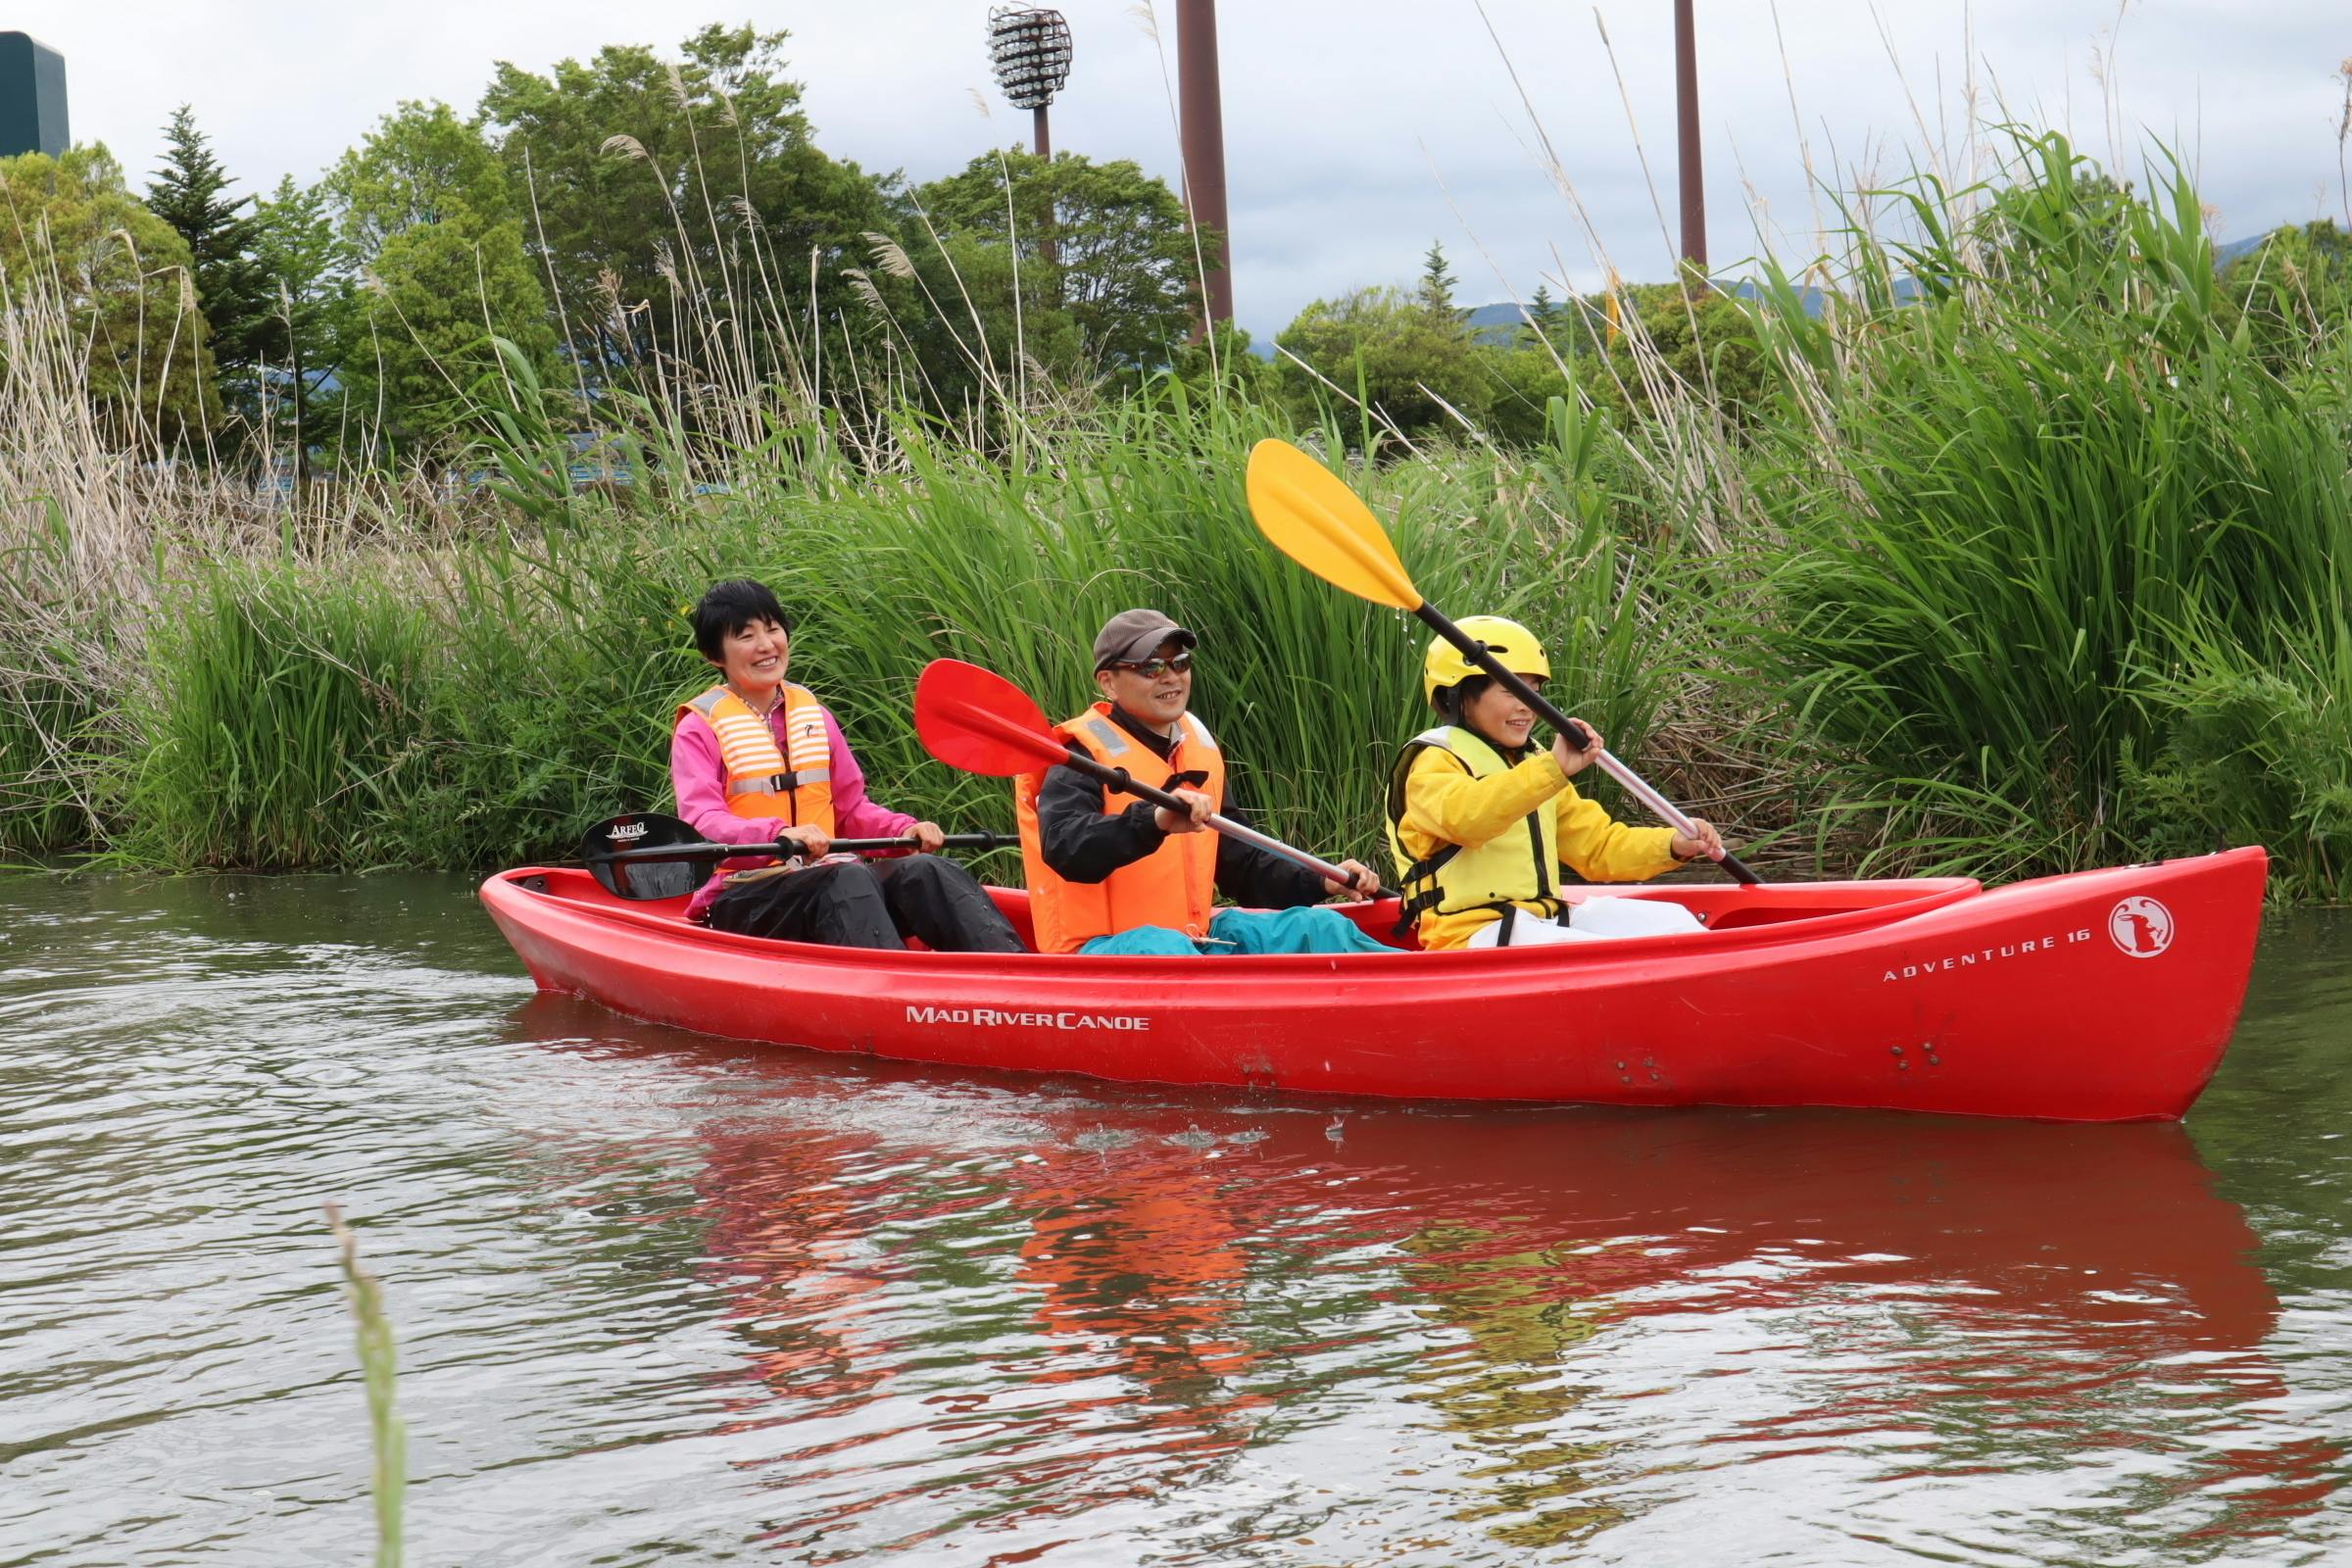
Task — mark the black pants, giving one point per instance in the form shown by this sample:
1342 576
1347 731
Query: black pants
870 903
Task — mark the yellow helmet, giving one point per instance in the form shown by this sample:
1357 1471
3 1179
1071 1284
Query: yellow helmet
1513 646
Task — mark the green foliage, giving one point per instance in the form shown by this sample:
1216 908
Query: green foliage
52 692
1225 365
1390 352
421 165
720 194
444 292
1437 282
425 208
2014 492
2028 553
75 239
2295 291
284 709
1106 268
2253 746
190 192
1705 343
301 261
526 685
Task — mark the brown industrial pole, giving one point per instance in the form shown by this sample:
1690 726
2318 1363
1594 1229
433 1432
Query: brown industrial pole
1686 100
1201 114
1047 251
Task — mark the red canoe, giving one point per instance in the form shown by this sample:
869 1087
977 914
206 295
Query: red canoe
2103 995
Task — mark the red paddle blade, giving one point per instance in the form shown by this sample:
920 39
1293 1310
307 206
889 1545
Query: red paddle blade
976 720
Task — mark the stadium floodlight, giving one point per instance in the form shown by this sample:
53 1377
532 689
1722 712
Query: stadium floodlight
1029 49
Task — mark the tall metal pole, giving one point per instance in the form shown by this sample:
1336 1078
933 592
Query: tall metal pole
1685 99
1200 112
1049 252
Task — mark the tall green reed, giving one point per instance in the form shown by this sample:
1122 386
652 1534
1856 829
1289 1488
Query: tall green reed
1999 497
379 1364
480 702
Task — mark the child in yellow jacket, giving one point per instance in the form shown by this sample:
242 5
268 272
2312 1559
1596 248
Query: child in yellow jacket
1479 821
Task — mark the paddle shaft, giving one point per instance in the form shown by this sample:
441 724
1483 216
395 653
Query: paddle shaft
722 851
1635 785
1118 779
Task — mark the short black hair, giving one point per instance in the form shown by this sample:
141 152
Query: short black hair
1452 701
728 607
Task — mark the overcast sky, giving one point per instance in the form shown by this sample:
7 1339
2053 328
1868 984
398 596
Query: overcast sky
1355 130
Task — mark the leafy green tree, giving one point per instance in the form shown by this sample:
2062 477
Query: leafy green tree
1114 297
300 257
1708 342
1392 350
699 178
420 165
96 276
1522 380
424 210
190 192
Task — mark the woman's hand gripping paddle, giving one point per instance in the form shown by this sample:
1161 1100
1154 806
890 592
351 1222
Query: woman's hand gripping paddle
645 855
976 720
1310 516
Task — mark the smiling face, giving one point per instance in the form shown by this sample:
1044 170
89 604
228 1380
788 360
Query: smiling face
753 657
1500 716
1159 700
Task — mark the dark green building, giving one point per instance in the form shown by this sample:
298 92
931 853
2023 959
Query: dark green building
32 97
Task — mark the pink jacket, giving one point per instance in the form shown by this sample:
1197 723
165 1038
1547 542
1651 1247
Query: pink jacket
700 780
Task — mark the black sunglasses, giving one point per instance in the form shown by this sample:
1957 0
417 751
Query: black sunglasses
1154 668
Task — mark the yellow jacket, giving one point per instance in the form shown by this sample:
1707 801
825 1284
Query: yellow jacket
1445 804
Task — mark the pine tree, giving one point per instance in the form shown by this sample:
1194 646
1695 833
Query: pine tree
1437 283
190 193
1544 313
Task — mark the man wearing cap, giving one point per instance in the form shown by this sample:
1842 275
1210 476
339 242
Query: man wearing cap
1139 880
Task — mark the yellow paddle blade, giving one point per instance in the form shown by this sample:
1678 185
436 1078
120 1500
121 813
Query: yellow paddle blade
1311 517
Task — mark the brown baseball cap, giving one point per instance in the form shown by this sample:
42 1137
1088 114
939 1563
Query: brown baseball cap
1133 634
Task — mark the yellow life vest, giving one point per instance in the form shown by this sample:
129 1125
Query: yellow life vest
1174 886
794 786
1519 866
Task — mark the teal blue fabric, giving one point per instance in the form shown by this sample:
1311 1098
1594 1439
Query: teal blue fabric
1309 929
1143 942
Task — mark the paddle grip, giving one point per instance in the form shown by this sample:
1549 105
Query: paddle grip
1120 781
1635 785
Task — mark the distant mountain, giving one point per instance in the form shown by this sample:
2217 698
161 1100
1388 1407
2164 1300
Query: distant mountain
2223 255
1499 322
1494 323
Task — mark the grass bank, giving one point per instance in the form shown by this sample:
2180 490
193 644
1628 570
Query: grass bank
2029 559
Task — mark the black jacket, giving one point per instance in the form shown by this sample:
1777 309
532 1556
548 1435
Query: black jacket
1081 844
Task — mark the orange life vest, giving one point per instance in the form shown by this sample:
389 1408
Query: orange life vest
1173 886
794 786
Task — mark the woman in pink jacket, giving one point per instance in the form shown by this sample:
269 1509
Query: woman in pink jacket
760 761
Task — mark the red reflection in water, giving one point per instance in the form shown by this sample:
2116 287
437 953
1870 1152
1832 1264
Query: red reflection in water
2062 1273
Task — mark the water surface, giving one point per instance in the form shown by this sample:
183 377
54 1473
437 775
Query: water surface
668 1300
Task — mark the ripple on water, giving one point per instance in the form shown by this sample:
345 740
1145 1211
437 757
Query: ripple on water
661 1297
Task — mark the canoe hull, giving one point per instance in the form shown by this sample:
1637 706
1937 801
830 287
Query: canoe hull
2103 995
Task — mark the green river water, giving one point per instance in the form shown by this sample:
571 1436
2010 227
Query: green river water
666 1300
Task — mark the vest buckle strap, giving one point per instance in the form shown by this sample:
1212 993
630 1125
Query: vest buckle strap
784 783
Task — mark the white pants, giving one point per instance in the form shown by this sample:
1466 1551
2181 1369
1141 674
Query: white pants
1593 921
